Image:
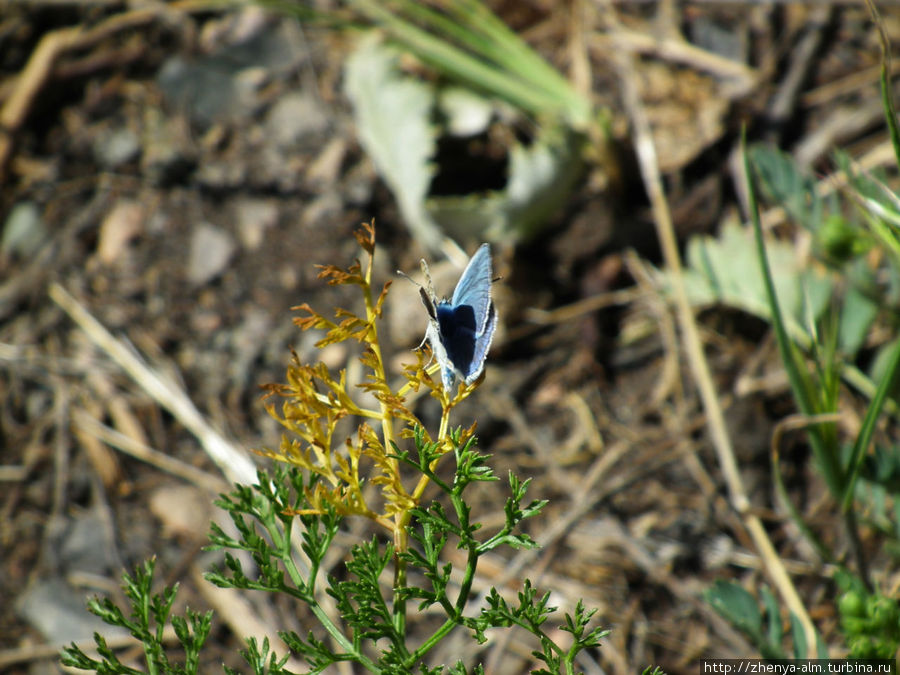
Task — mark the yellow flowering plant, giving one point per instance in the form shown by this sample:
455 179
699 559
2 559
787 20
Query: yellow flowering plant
314 401
322 477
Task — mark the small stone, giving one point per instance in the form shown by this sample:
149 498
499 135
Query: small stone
326 168
254 217
85 547
122 224
325 208
24 230
288 277
358 184
168 154
296 117
58 612
116 147
183 509
211 249
199 88
248 342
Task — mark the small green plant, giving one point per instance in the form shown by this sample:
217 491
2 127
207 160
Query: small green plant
870 620
764 629
857 241
150 614
861 479
381 474
852 287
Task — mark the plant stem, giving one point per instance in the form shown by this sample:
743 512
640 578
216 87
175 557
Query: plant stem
281 540
455 610
149 648
387 417
862 564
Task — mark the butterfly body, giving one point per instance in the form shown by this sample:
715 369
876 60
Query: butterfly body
460 330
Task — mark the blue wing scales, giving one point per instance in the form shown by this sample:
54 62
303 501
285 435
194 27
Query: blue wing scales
474 287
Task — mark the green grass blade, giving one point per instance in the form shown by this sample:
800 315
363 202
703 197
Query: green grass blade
801 383
887 380
454 61
474 25
887 100
868 425
517 55
786 348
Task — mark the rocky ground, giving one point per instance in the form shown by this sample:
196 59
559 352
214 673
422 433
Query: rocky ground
178 170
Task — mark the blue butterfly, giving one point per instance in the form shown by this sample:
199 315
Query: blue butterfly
460 330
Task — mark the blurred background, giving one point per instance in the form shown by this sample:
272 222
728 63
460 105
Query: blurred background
171 173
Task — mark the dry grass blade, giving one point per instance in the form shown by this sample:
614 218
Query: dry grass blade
87 423
234 462
680 51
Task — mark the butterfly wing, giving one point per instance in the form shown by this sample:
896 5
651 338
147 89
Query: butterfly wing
470 317
481 347
474 287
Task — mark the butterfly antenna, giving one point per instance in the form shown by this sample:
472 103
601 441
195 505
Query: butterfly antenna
428 286
404 274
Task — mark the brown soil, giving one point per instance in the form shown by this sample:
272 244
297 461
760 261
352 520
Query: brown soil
181 182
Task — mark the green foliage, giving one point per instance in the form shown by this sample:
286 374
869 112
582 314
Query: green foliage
815 360
870 621
475 62
781 182
261 660
540 174
816 390
368 610
840 283
723 270
150 615
816 393
856 243
738 606
854 238
383 101
464 41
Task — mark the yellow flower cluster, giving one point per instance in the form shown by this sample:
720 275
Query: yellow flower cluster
313 401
